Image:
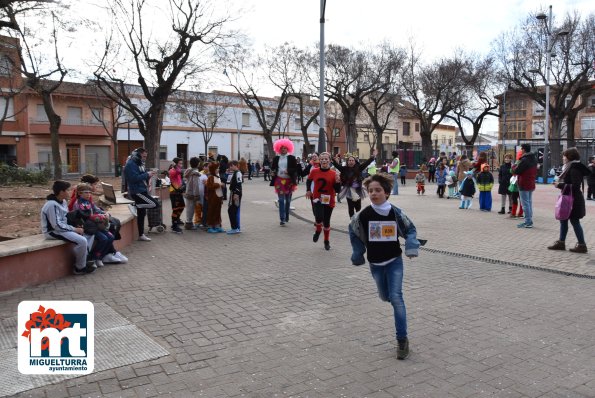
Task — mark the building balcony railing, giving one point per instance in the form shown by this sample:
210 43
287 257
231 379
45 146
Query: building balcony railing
67 122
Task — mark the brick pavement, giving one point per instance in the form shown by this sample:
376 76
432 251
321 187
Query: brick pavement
269 313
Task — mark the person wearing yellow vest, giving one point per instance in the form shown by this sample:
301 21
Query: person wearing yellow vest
393 169
372 169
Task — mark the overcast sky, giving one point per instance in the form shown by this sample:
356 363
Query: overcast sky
438 26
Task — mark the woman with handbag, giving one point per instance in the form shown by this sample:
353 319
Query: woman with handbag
573 173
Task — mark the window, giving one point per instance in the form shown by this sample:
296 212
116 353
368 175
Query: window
588 127
538 129
297 123
41 115
417 127
163 152
336 132
5 65
97 115
591 103
516 129
245 119
336 150
567 101
74 115
183 115
270 119
366 137
212 117
538 110
406 128
6 109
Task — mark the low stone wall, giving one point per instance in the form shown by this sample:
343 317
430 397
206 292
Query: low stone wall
33 259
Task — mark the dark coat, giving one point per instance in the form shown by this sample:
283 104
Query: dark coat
292 168
591 176
575 175
504 176
467 187
526 169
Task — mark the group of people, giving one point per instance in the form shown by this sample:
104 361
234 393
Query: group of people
72 215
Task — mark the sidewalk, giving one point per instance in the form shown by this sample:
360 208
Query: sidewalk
270 313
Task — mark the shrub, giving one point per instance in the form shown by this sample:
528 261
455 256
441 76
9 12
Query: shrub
19 175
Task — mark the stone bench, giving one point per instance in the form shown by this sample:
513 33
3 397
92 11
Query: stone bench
33 260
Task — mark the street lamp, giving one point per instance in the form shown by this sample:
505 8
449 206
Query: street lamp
551 38
321 134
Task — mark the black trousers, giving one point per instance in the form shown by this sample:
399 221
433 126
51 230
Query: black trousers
143 202
322 214
354 206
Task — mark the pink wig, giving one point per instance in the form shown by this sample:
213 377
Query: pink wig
283 142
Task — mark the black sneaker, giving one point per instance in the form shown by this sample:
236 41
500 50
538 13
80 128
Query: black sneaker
176 228
403 348
315 236
90 268
327 245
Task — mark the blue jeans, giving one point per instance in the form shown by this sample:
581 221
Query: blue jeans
527 204
284 203
389 280
395 184
578 230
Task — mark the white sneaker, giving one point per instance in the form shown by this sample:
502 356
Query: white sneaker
144 238
99 263
132 209
111 258
121 257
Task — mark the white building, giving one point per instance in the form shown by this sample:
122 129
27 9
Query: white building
230 126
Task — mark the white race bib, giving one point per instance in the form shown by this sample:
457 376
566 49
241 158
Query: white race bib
325 199
382 231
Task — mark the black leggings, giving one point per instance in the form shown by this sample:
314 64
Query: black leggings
353 206
322 214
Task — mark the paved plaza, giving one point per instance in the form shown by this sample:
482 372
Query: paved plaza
269 313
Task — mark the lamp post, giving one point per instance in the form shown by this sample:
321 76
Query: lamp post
550 40
321 134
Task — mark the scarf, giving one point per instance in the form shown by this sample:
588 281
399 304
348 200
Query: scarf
566 167
382 209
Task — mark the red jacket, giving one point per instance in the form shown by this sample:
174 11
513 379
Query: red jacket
526 169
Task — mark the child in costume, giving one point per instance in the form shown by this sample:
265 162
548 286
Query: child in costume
467 190
451 183
234 179
214 199
322 185
420 182
485 182
376 230
284 170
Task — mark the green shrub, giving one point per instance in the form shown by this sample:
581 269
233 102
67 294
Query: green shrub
18 175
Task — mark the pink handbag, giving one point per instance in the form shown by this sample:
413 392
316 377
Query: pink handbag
564 203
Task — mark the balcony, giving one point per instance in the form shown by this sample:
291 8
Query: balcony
87 127
67 122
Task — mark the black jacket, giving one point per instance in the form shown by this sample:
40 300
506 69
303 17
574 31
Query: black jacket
575 175
504 175
292 167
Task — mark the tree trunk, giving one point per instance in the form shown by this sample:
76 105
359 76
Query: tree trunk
268 138
380 156
570 126
426 143
55 121
153 136
116 157
305 135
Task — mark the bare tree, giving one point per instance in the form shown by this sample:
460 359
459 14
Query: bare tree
348 86
278 69
10 9
205 111
381 106
476 100
160 64
522 55
431 89
37 70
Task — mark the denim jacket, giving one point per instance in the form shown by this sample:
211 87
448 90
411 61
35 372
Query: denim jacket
359 237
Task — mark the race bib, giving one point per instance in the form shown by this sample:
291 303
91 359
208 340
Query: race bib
325 199
382 231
